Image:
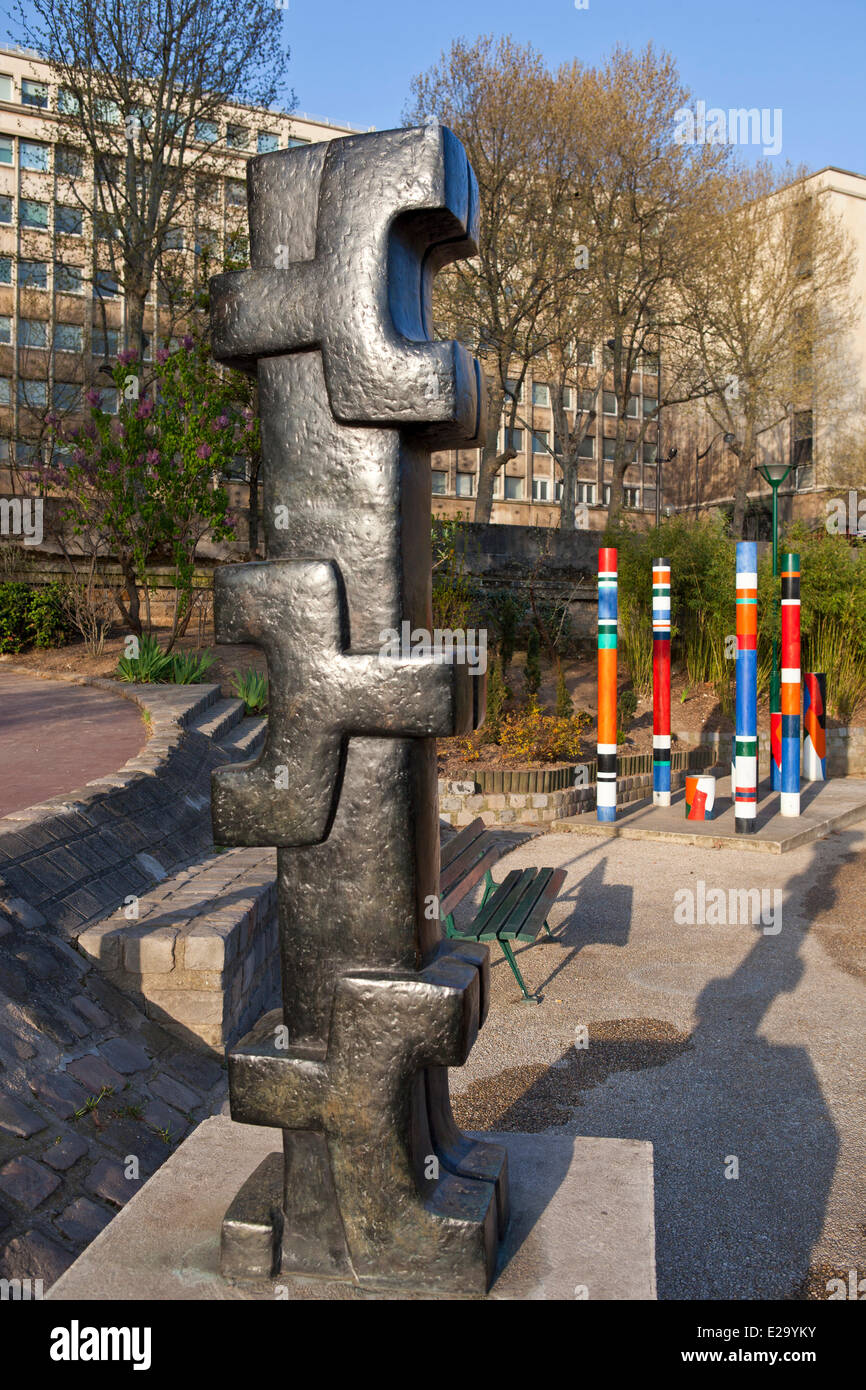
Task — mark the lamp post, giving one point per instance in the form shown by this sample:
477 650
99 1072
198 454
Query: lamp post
775 474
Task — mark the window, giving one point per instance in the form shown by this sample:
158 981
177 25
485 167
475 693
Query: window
514 440
540 488
68 161
6 149
511 386
609 450
33 214
5 270
107 170
68 337
34 93
540 394
5 87
295 140
105 285
67 395
67 102
206 240
567 398
207 190
237 137
513 489
586 493
650 363
68 279
586 354
801 455
32 154
650 406
440 482
108 404
605 495
236 193
5 209
32 394
465 484
68 221
267 141
104 342
26 454
540 441
32 333
632 407
609 403
206 132
650 453
33 275
631 496
106 111
106 226
5 390
5 328
172 239
147 347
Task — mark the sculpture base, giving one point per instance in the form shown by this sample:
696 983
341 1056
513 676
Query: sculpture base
582 1225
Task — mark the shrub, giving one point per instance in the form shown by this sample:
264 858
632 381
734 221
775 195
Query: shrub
251 687
187 668
626 709
496 695
47 618
15 632
532 670
151 665
531 736
564 702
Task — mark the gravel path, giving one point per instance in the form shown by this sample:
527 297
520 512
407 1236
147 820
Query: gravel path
716 1042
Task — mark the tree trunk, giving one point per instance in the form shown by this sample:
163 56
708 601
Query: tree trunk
135 298
745 453
620 464
569 493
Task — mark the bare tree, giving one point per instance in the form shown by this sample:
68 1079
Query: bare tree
498 98
143 88
769 303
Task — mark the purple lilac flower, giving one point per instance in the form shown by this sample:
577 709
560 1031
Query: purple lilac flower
204 451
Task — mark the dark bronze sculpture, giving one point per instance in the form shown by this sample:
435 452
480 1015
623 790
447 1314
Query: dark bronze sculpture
376 1186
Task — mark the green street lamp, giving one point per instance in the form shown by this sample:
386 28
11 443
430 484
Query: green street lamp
774 474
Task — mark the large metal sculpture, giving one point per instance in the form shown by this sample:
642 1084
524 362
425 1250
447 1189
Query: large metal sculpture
376 1185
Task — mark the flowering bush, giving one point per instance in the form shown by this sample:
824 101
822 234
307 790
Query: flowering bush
532 736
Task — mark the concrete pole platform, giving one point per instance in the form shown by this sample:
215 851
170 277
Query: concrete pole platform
824 807
582 1225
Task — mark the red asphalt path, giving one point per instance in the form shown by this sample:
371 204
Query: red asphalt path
54 737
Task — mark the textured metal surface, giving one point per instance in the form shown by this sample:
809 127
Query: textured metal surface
379 1186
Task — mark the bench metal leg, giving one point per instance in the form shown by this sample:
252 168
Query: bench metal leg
509 956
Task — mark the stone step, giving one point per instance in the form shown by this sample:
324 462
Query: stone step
245 740
216 721
201 956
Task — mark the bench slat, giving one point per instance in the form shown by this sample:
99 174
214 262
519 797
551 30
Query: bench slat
453 872
536 917
498 908
452 897
461 842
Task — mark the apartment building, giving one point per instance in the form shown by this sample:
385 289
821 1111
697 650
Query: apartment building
61 309
528 489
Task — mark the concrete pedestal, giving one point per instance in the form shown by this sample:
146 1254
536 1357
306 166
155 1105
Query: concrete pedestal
582 1224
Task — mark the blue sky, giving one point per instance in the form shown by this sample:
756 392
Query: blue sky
353 61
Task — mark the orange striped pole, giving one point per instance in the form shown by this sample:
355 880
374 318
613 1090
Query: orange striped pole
605 786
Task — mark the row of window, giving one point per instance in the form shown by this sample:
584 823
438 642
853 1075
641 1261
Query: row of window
205 131
68 337
68 279
66 395
586 449
512 491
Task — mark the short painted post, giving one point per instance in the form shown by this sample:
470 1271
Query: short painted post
815 726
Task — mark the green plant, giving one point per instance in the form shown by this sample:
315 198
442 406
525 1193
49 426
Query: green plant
47 618
496 695
14 611
251 687
188 668
626 709
635 638
532 669
149 663
564 708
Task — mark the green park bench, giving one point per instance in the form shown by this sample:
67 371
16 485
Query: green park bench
512 911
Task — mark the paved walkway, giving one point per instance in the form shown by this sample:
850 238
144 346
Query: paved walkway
54 737
716 1042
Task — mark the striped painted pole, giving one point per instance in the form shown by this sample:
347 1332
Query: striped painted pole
814 726
746 737
775 732
606 775
789 800
661 682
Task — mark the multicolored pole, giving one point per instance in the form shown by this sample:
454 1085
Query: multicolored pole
746 737
775 731
607 614
814 727
661 682
789 800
